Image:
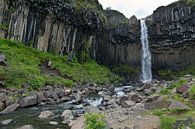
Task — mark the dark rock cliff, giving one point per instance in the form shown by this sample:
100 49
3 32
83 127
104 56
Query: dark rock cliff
172 35
75 28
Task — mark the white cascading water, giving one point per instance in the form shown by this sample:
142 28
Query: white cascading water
146 76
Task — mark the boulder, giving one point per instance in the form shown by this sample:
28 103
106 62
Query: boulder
51 94
182 89
2 60
79 123
2 106
136 98
107 98
67 116
46 114
41 97
152 98
26 127
127 104
178 105
6 122
9 109
28 101
157 105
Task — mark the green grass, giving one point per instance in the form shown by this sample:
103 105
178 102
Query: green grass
172 86
23 67
192 92
169 116
94 121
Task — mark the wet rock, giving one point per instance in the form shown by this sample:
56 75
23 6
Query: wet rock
51 94
67 116
178 105
107 98
46 114
53 123
182 89
2 60
136 98
6 122
157 105
9 109
26 127
41 97
28 101
2 106
8 102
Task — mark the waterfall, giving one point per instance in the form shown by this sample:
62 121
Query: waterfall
146 75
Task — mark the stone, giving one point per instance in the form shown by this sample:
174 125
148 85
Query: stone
178 105
79 123
92 109
182 89
157 105
127 104
136 98
152 98
107 98
46 114
2 60
26 127
8 102
41 97
67 116
28 101
6 122
53 123
9 109
51 94
2 106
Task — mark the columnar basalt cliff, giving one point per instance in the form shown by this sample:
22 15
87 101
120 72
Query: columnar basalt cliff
172 35
105 35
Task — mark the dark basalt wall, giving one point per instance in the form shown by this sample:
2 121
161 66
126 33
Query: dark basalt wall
59 27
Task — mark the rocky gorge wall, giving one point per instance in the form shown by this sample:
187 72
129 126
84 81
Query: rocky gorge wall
58 27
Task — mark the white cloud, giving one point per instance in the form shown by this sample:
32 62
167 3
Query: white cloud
140 8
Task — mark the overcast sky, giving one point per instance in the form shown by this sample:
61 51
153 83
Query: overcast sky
140 8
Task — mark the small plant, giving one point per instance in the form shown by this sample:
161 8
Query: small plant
94 121
192 92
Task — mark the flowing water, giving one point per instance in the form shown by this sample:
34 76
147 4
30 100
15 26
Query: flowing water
146 55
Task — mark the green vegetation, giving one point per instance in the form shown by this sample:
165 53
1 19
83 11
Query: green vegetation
88 5
3 26
94 121
168 117
23 66
192 92
170 74
125 70
189 2
172 86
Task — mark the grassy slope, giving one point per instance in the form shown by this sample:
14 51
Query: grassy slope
23 67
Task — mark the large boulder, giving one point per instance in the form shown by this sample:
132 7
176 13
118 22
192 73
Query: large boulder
136 98
28 101
2 60
178 105
157 105
9 109
182 89
67 117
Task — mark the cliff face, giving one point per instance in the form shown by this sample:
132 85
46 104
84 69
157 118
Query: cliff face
79 28
172 35
56 26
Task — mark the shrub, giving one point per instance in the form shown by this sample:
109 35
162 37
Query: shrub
192 92
94 121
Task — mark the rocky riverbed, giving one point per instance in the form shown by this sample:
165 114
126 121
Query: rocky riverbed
122 105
